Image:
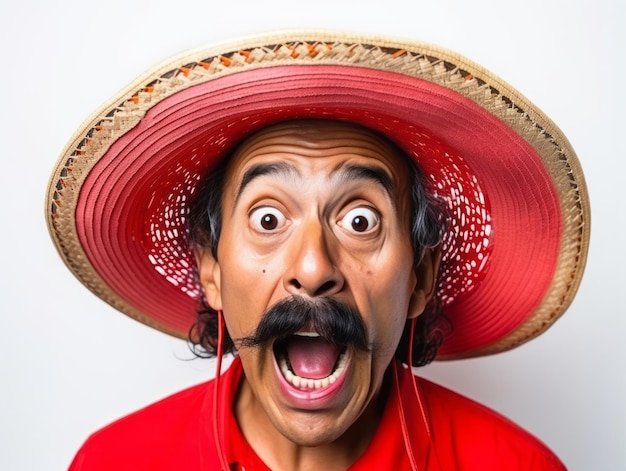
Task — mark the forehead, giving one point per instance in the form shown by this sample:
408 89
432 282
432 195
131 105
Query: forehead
313 146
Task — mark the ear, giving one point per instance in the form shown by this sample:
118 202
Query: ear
210 277
426 274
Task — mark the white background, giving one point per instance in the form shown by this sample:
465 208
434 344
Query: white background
70 364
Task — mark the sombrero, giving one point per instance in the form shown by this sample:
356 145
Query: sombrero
518 229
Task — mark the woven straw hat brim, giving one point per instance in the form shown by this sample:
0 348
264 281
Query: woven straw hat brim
519 225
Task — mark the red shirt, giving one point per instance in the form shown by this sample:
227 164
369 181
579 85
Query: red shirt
442 430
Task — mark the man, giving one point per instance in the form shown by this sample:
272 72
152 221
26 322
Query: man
352 208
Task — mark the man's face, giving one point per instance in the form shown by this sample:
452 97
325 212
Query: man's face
316 210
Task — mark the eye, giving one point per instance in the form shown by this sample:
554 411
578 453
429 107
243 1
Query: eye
267 219
360 220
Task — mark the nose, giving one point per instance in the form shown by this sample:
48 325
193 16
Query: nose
311 271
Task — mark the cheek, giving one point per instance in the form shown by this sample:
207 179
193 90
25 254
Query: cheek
389 294
248 286
236 278
241 305
387 325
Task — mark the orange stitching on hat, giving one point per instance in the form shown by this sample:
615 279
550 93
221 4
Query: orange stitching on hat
185 71
312 51
204 65
294 53
134 99
148 89
398 53
226 61
246 54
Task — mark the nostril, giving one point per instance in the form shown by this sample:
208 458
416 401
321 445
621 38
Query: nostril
296 284
329 285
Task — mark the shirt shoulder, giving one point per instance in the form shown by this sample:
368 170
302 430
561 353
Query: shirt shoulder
156 437
468 435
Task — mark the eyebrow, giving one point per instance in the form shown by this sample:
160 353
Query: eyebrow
346 173
368 172
259 170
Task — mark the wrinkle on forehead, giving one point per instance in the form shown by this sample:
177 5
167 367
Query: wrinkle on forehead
316 135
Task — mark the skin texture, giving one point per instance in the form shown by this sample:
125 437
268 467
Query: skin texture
305 223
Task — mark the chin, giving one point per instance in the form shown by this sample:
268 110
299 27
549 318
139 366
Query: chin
312 431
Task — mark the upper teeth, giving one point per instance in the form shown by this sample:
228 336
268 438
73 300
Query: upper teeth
307 334
310 383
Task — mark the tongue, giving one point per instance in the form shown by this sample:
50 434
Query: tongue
312 357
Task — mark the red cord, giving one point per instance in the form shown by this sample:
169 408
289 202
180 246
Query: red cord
418 396
216 399
405 432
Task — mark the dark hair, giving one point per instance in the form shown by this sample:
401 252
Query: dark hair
427 228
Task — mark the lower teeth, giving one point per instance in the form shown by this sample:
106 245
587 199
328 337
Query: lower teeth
309 383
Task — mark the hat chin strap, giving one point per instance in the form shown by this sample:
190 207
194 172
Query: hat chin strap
216 401
408 444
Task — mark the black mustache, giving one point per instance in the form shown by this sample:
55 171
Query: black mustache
336 322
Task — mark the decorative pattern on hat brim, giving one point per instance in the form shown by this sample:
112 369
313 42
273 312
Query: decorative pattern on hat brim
516 246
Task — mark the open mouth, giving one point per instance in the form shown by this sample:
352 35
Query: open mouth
309 362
